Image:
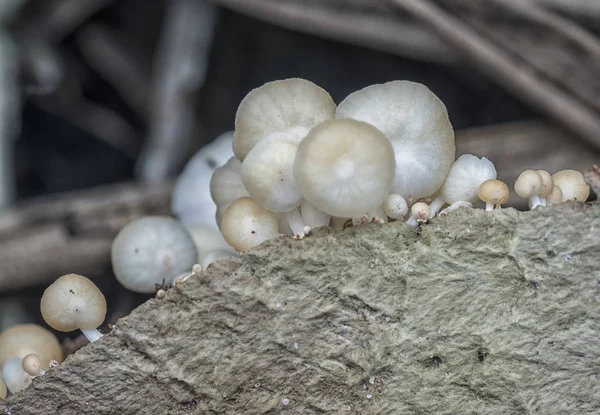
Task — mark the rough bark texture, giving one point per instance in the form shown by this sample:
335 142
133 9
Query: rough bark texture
478 312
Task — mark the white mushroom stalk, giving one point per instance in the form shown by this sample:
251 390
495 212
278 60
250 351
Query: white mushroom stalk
14 376
416 121
345 168
313 217
529 184
572 184
419 213
462 184
291 106
246 224
74 302
151 252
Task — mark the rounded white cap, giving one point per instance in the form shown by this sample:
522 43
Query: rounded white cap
152 250
345 167
466 175
529 183
245 224
226 183
573 185
395 206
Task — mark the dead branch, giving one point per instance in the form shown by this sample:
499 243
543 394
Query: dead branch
71 232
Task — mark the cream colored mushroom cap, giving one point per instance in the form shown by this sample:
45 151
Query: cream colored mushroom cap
2 389
290 105
32 364
547 183
73 302
556 196
24 339
345 167
573 185
245 224
529 183
226 183
494 191
416 121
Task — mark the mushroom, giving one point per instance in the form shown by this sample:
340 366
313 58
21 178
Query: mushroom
21 340
547 186
191 198
395 206
494 193
32 364
151 251
2 389
287 106
246 225
416 121
573 185
226 184
15 377
528 185
555 197
74 302
267 172
419 213
345 168
462 184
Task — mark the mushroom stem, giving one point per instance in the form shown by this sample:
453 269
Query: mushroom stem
297 225
543 201
412 221
534 201
455 206
312 216
92 335
436 205
489 206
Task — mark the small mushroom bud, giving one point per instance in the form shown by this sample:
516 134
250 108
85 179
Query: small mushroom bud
419 213
395 206
528 185
494 193
246 225
33 365
556 196
74 302
573 185
2 389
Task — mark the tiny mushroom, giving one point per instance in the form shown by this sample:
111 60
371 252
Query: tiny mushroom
419 212
573 185
246 224
395 206
74 302
2 389
529 184
345 168
32 364
151 251
494 193
555 197
462 184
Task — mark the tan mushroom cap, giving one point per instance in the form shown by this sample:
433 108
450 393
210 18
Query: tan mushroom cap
32 364
24 339
556 196
420 211
528 184
2 389
494 191
573 185
73 302
245 224
547 183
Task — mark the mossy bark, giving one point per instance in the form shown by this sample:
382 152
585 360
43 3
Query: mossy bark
476 313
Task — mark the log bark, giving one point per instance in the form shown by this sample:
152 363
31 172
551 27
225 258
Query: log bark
478 312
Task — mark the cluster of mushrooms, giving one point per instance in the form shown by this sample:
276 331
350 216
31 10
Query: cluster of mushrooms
385 153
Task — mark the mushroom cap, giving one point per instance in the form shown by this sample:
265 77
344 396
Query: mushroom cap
466 175
420 211
529 183
573 185
494 191
191 199
24 339
32 364
245 224
395 206
2 389
345 167
416 121
556 196
547 183
226 183
152 250
15 377
268 173
73 302
290 105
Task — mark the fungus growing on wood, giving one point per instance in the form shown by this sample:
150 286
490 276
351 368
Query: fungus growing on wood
494 193
21 340
529 184
246 225
572 184
419 213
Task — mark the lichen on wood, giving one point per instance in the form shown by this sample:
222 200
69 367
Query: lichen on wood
477 312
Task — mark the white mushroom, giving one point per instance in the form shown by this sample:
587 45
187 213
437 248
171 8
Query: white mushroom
287 106
226 184
555 197
529 184
152 251
246 225
416 121
419 213
547 186
345 168
573 185
15 377
395 206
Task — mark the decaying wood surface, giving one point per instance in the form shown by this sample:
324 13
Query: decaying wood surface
478 312
71 232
